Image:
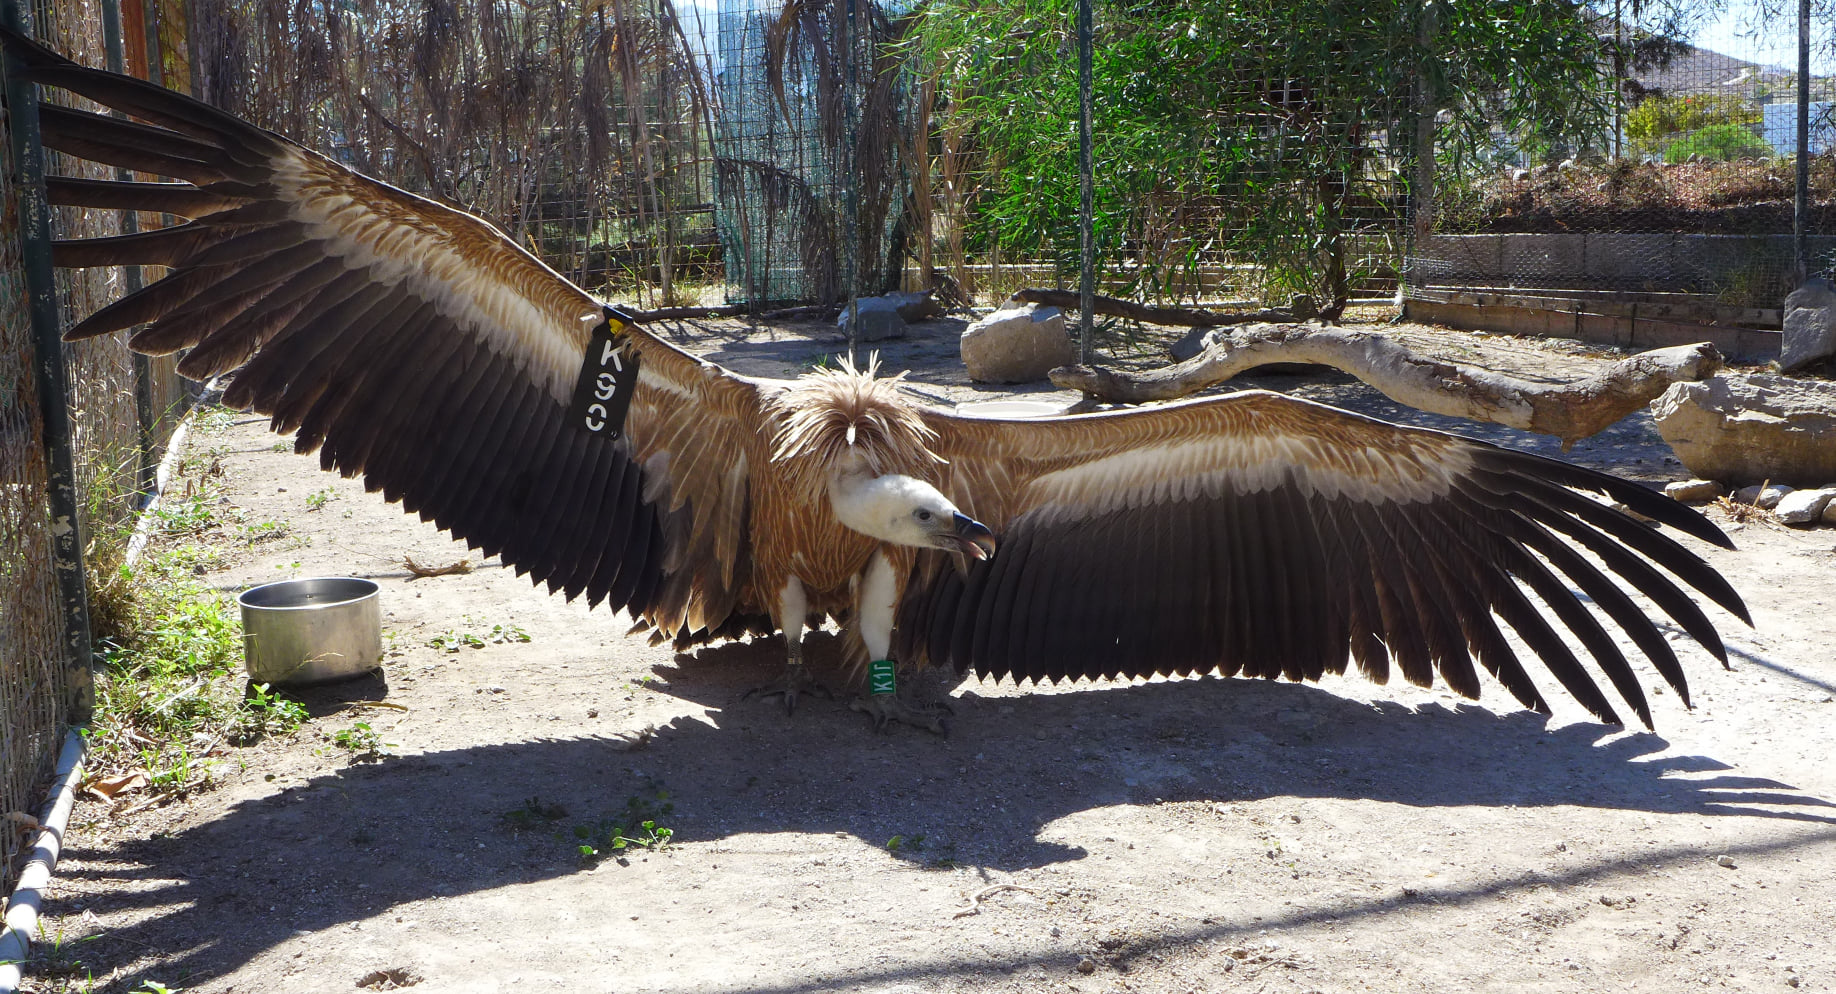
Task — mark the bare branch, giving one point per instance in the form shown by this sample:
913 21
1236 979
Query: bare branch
1569 411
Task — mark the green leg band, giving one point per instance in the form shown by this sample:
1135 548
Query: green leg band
880 678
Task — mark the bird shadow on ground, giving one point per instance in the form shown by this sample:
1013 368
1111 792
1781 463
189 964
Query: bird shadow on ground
349 845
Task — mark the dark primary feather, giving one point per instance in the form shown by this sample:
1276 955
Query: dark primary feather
1285 581
374 373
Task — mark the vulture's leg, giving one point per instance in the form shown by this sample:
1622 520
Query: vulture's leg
793 609
877 599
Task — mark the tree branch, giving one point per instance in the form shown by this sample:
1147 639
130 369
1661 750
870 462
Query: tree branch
1569 411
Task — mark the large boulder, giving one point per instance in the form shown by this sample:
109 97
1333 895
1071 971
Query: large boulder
1017 345
1744 429
879 319
1810 325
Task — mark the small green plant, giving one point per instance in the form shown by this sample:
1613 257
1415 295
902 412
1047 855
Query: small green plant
317 500
452 640
505 634
262 531
638 826
191 514
361 741
473 635
284 445
264 713
913 843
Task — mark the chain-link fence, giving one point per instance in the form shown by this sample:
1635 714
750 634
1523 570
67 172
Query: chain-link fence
1674 207
110 457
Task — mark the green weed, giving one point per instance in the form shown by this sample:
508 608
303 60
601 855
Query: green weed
265 713
639 826
361 741
473 635
317 500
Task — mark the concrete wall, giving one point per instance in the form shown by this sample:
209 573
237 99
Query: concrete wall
1657 262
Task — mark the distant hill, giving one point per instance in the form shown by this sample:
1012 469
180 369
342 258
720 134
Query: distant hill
1699 70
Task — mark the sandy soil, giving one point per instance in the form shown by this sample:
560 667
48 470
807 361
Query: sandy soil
1200 835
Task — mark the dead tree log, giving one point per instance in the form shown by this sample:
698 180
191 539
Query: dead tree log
1181 317
1569 411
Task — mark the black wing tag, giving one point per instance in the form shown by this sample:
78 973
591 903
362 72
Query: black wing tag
608 378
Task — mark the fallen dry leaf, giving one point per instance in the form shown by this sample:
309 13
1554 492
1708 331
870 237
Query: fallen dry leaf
106 788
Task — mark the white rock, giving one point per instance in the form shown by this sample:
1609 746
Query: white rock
1694 491
1829 513
1742 429
1810 325
1766 497
1803 507
1017 345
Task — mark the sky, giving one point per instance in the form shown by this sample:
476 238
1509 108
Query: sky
1773 43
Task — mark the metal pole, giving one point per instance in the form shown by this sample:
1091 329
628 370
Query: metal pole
851 220
48 365
1800 213
1086 198
131 279
1421 192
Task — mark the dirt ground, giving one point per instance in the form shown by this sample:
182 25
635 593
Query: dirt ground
1169 836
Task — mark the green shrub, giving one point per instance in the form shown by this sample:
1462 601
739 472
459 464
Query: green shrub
1719 143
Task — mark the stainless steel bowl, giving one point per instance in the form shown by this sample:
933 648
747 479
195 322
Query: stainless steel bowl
311 631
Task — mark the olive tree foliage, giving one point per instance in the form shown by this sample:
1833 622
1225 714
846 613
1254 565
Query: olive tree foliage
1263 134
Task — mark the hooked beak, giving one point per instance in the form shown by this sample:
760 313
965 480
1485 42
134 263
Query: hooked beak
976 540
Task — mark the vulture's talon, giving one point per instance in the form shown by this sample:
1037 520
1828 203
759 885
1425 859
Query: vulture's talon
795 681
888 708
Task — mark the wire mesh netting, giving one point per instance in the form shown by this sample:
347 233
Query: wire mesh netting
34 681
813 133
1683 186
582 131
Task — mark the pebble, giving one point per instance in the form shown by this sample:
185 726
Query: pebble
1693 491
1725 860
1764 496
1086 965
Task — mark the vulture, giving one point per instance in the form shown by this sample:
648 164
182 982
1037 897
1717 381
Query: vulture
1251 533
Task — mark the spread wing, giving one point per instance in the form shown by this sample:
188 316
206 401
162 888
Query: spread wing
1261 534
416 345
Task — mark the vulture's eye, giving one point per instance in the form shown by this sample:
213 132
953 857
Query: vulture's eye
923 515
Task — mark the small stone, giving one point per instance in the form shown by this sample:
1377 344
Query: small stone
1804 507
1693 491
1762 495
1086 965
1726 861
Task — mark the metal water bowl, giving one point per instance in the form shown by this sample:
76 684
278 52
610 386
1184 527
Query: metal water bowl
311 631
1010 409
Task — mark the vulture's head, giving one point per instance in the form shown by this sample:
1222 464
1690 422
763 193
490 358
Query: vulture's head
905 510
